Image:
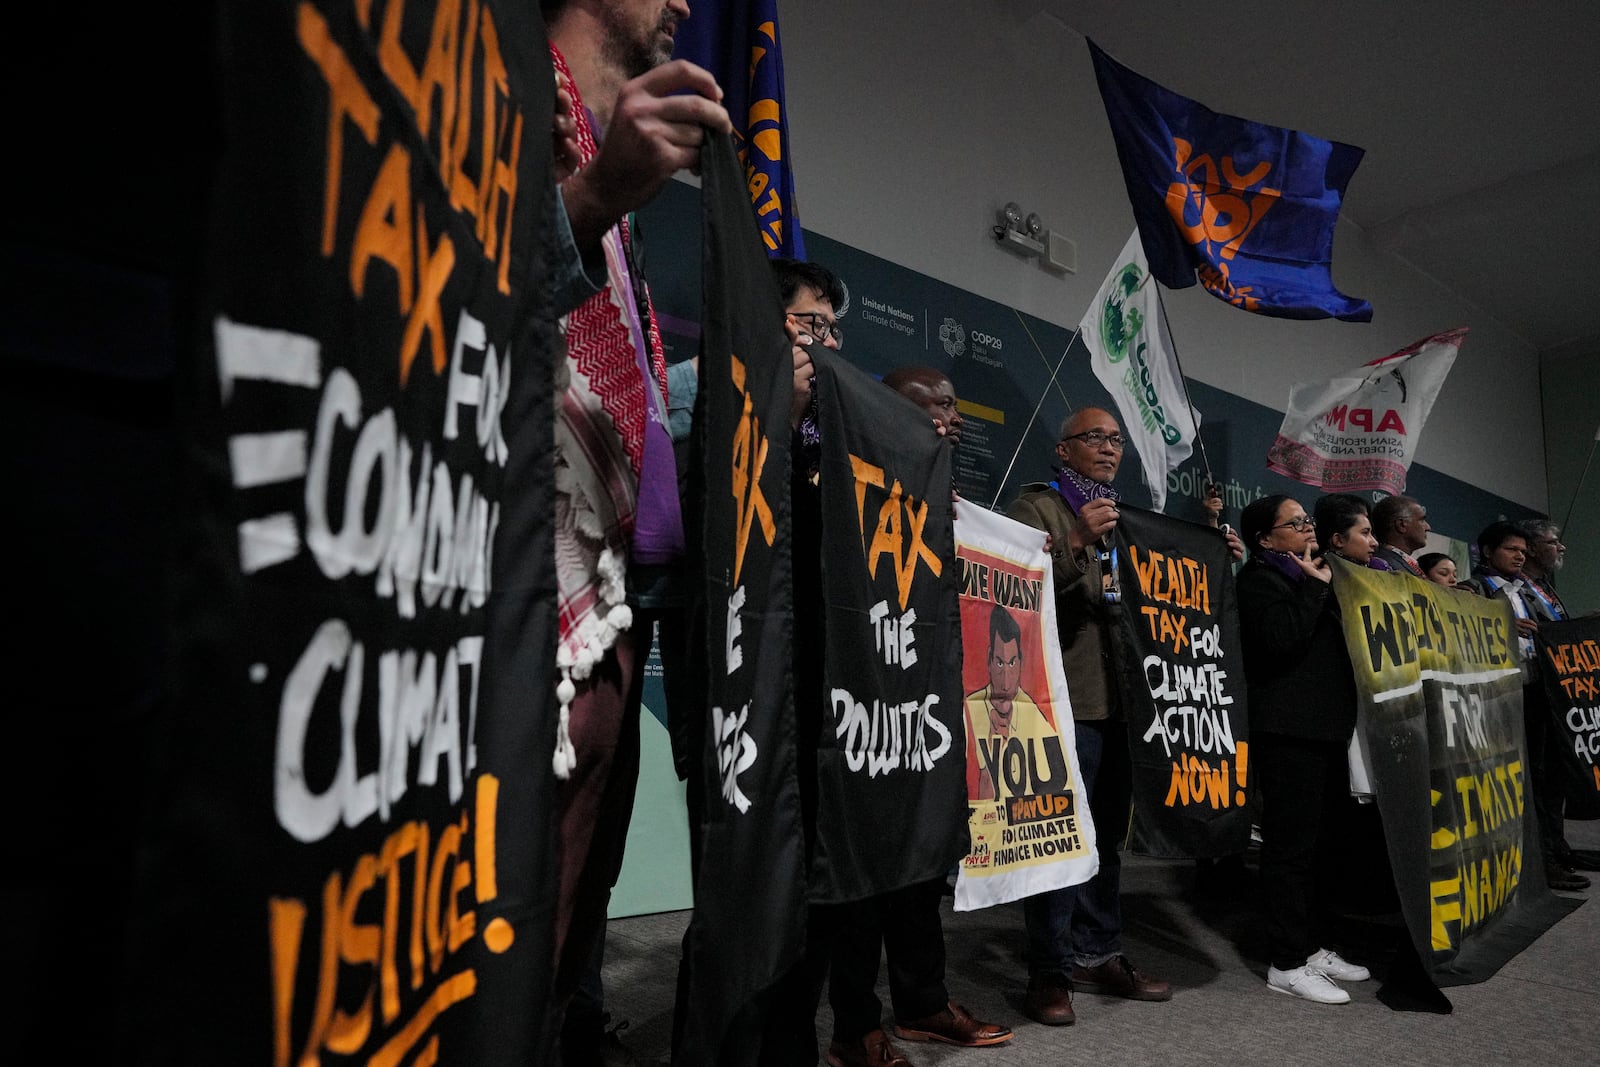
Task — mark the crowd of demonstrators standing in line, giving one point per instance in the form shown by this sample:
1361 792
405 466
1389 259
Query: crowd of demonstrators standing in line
627 126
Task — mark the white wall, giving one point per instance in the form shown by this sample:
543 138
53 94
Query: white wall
913 121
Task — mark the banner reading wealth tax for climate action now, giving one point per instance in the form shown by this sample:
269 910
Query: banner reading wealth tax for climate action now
1182 683
1027 815
1569 663
1439 676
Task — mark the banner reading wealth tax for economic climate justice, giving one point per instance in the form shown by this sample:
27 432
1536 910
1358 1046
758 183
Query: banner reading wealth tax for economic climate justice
1027 815
889 811
1181 675
353 864
1569 661
1439 676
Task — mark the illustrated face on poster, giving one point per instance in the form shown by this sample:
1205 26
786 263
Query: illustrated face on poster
1013 727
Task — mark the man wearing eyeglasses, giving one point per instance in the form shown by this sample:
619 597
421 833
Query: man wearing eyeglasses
1544 558
1075 934
1502 572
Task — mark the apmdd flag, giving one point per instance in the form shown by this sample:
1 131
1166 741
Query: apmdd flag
1131 354
890 771
1360 430
1028 821
1249 208
352 861
738 42
1569 664
750 900
1181 677
1439 676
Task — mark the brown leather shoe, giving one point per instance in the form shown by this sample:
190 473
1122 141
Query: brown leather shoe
1117 977
953 1026
874 1050
1049 1000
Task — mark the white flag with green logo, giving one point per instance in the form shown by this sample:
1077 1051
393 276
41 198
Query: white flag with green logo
1132 356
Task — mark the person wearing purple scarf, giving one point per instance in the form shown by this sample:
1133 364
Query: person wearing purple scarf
1075 934
1302 715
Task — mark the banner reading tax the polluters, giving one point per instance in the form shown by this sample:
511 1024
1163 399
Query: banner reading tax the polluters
1439 676
1029 827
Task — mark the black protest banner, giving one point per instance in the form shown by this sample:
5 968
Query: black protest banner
891 762
1181 675
350 861
1569 660
1439 678
749 918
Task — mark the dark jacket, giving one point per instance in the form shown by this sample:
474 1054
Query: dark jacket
1083 618
1295 659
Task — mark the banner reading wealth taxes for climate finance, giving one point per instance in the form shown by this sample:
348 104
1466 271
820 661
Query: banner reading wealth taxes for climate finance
1182 683
1030 828
1439 675
889 759
1569 654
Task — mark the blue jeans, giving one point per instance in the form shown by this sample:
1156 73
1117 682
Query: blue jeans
1082 924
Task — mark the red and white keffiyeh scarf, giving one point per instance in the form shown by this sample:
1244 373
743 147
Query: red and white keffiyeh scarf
599 451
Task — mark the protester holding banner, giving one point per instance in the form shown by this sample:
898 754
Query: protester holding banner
1503 553
1303 712
903 925
617 502
1546 554
1075 933
1438 568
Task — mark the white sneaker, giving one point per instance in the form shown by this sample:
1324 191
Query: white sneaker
1307 983
1337 967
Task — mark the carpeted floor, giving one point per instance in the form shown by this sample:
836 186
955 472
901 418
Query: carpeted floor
1541 1008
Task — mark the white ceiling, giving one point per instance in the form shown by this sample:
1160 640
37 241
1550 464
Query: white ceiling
1481 124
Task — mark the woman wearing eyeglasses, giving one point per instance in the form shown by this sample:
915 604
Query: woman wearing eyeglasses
1302 714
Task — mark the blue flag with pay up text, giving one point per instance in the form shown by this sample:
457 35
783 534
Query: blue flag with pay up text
1246 208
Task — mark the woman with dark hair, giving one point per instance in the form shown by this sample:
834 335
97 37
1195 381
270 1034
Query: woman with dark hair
1438 568
1302 713
1344 528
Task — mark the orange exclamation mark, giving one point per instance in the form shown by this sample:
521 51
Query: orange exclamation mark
498 935
1242 770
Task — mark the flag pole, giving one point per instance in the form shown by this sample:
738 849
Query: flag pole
1184 378
1581 479
1023 439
